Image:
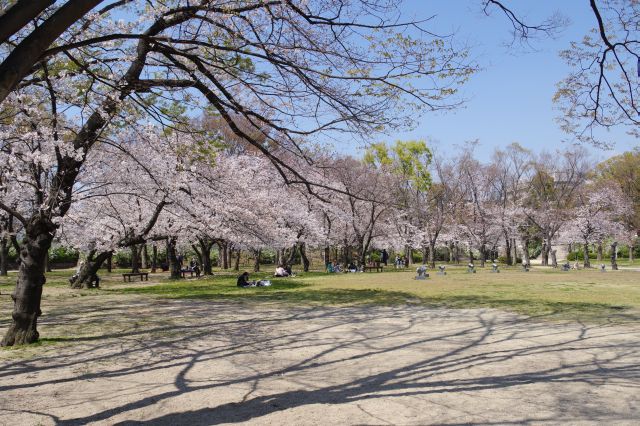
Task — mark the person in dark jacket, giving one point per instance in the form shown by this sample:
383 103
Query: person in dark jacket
243 280
385 257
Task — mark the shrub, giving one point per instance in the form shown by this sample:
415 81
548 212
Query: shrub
503 259
578 255
62 254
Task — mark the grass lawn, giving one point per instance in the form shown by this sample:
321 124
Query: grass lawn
589 295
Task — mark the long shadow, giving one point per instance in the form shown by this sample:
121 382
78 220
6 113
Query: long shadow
413 379
474 346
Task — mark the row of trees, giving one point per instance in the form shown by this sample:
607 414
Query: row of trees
81 81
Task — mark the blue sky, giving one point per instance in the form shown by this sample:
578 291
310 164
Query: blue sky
510 99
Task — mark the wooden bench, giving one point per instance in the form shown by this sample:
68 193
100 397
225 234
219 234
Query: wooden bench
144 276
184 272
377 268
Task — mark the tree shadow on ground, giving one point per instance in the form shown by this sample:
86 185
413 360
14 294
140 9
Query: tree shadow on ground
469 352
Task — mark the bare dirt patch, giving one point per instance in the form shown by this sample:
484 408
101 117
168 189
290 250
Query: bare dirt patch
128 360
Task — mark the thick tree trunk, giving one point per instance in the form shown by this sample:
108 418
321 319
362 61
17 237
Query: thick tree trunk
291 258
483 255
631 249
145 257
614 256
327 255
154 258
27 295
544 254
205 250
303 256
223 254
600 251
87 276
4 257
110 262
135 259
554 260
585 258
514 247
174 266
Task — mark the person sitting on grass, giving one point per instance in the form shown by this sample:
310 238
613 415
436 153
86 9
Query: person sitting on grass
243 281
330 268
352 267
281 272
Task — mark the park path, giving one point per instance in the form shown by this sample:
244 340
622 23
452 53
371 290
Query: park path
201 362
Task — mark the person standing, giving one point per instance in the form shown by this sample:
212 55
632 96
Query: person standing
385 257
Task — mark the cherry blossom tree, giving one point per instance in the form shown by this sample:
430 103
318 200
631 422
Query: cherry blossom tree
243 60
597 217
552 191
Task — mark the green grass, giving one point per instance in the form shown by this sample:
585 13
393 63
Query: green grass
543 292
576 295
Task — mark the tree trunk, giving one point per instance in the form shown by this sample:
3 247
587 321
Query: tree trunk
145 257
585 258
154 258
525 252
237 260
544 254
614 256
87 276
554 260
327 255
110 262
4 257
135 259
631 249
483 255
507 250
223 251
205 249
514 247
47 263
600 251
27 295
174 266
303 256
256 262
432 254
198 253
346 250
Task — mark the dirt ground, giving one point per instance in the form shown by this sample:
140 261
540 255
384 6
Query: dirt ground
136 360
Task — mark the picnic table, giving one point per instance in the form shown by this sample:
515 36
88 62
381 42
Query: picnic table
144 276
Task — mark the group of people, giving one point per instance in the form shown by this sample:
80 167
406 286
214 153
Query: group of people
335 267
401 262
193 267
